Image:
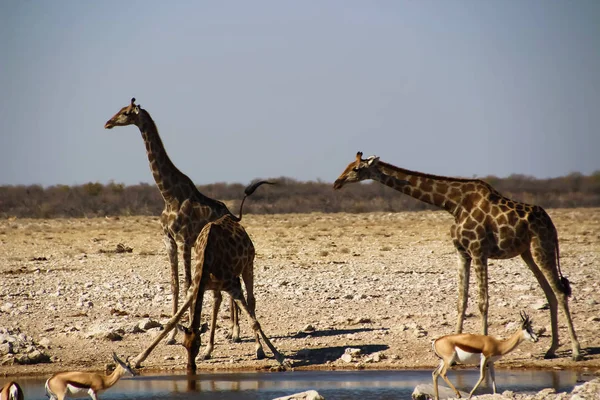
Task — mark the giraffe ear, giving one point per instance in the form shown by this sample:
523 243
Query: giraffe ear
372 160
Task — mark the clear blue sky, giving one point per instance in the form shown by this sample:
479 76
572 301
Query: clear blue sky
247 89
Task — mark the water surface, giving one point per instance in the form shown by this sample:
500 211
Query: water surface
333 385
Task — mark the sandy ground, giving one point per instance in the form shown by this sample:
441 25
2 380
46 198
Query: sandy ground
382 283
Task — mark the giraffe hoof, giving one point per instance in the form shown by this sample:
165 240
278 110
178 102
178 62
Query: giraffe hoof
205 357
549 356
577 357
260 354
171 341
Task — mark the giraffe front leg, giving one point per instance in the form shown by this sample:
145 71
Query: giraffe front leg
171 246
236 293
464 270
213 325
480 265
187 264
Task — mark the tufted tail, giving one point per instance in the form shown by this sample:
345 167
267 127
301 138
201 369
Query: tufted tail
564 282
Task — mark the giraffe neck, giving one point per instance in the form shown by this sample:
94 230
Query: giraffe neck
440 191
173 184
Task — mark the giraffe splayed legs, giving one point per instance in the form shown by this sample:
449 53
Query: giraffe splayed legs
224 252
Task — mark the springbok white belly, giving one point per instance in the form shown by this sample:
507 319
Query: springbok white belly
74 391
464 357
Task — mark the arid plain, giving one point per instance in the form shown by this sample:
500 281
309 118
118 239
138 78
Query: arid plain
382 283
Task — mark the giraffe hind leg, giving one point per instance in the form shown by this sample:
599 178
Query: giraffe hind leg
544 257
552 301
236 294
248 278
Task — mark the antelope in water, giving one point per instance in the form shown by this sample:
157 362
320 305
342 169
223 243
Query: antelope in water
484 350
11 391
76 383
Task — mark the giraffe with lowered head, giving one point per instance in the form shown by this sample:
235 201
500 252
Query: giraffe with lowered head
486 226
186 210
224 252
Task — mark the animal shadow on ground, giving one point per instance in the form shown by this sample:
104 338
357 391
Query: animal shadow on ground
332 332
316 356
589 351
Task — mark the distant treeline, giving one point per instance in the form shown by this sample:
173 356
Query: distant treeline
288 196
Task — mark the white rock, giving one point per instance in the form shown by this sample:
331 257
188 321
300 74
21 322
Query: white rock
352 351
308 395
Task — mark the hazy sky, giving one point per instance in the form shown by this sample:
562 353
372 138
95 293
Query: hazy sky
247 89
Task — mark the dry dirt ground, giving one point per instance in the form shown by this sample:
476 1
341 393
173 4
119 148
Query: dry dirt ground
379 282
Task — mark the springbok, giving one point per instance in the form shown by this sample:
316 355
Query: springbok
76 383
11 391
467 348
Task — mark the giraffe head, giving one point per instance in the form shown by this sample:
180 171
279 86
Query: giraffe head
128 115
191 342
358 170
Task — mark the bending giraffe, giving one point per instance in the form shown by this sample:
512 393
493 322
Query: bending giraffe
486 226
224 251
184 204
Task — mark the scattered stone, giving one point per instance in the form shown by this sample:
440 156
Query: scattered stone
352 351
308 395
6 348
308 328
379 356
540 305
149 323
347 358
18 348
357 321
114 336
425 392
45 342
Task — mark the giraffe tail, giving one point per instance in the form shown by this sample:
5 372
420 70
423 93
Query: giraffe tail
564 282
248 192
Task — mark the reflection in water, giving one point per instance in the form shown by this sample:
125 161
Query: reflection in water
334 385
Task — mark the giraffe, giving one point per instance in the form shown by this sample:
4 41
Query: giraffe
486 226
224 252
186 210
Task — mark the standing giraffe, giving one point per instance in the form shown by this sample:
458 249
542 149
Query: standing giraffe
486 226
224 252
186 210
